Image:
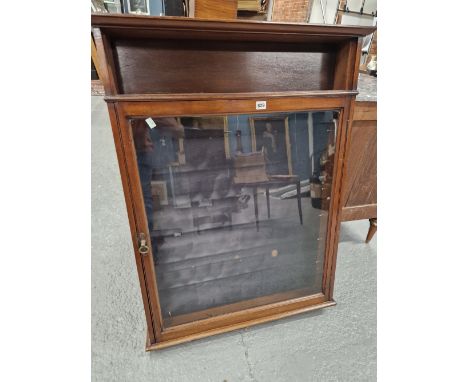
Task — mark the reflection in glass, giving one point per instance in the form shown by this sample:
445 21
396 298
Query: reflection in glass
236 207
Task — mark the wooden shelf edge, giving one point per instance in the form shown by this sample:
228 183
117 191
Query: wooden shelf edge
211 96
240 325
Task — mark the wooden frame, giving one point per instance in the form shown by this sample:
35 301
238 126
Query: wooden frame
253 136
329 88
202 328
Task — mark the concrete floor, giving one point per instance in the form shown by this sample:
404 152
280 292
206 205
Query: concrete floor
334 344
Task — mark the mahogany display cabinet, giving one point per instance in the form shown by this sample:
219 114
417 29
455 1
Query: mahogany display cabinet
231 138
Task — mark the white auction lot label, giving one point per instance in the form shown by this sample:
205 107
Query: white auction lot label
260 105
150 122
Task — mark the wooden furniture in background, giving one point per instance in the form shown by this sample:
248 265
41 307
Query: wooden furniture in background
372 229
254 10
360 192
249 5
94 57
177 67
215 9
250 168
96 85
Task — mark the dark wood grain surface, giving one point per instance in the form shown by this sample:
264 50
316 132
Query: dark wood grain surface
360 194
182 66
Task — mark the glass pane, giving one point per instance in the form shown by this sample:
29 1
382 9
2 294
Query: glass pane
237 207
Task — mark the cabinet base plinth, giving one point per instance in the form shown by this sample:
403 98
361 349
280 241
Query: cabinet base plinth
230 328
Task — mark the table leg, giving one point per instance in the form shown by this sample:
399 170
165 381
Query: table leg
255 206
299 204
372 229
268 200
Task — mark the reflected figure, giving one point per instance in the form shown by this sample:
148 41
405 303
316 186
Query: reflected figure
147 141
269 142
138 6
269 136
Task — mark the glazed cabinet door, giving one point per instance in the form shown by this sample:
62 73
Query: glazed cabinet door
236 209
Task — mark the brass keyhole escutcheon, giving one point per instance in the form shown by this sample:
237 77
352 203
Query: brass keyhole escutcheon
142 246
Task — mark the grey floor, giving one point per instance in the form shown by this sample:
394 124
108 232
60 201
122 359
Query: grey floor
334 344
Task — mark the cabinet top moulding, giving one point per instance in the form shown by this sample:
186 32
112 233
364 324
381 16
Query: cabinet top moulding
115 24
